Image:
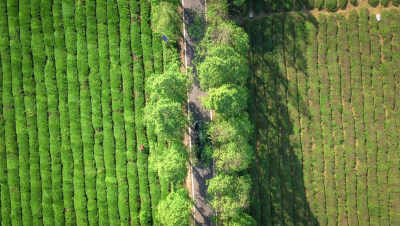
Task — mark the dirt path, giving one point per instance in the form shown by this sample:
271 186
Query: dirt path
199 173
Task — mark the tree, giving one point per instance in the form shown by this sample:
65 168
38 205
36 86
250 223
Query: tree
164 13
242 219
224 33
231 129
175 209
227 100
167 117
223 65
229 194
234 156
172 163
172 84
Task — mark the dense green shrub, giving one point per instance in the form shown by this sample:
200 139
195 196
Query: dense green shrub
62 86
85 113
389 86
74 109
20 119
95 94
348 120
326 117
118 109
385 3
373 3
108 140
365 49
39 59
138 37
227 100
393 159
175 209
223 65
10 181
342 4
331 5
229 194
53 115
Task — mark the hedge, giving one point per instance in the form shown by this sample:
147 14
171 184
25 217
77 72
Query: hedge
394 159
302 27
66 153
315 124
325 73
348 120
145 208
275 184
336 125
357 100
118 110
80 200
38 50
389 88
255 36
53 114
108 138
380 121
285 168
97 118
156 189
85 114
20 119
7 113
294 114
331 5
370 130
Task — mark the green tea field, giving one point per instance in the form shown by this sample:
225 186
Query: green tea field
325 102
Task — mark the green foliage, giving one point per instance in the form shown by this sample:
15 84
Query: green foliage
95 93
223 65
53 114
164 14
229 194
373 3
331 5
227 100
60 56
225 34
234 156
385 3
242 219
172 163
175 209
198 28
224 131
167 118
171 84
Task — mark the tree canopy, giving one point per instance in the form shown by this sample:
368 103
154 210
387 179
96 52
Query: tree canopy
175 209
167 117
172 84
172 165
223 65
234 156
229 130
165 14
227 100
229 194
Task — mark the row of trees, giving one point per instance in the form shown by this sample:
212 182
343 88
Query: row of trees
166 93
223 71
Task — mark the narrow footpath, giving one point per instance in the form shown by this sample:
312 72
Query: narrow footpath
200 173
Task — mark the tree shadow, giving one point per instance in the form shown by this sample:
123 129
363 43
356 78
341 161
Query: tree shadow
278 195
